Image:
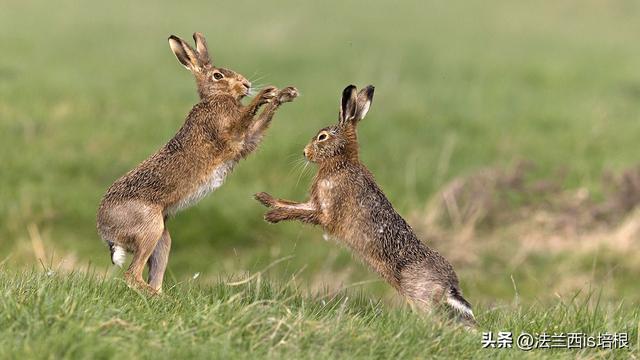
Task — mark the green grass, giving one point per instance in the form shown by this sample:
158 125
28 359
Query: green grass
45 315
89 89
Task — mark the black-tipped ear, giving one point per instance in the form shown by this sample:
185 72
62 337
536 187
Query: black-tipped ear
184 53
348 104
365 98
201 48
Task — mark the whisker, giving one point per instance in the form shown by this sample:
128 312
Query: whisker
306 164
258 86
259 77
293 158
297 165
294 163
256 89
255 76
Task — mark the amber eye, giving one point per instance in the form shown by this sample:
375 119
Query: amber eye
323 136
217 76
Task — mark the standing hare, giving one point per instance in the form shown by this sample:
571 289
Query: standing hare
217 133
346 201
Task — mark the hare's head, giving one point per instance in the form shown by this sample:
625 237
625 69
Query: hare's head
341 140
211 80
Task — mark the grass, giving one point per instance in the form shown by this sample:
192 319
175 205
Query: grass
87 90
82 315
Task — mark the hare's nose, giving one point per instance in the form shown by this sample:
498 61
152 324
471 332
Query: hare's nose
246 84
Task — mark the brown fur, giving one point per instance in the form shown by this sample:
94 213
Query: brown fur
346 201
217 133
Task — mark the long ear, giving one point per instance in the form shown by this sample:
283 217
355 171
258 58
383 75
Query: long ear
184 53
347 105
365 98
201 48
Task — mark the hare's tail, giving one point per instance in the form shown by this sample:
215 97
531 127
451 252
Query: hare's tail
117 253
460 306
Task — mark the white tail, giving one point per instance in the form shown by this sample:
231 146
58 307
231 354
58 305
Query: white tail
459 306
118 255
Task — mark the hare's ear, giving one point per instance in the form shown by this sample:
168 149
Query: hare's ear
184 53
365 98
201 48
348 105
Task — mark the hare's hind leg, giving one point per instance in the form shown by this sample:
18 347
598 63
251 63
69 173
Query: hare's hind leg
158 261
146 240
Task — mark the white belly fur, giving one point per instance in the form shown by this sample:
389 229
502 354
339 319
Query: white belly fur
214 181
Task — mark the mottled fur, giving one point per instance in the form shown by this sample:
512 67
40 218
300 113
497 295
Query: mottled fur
217 133
346 201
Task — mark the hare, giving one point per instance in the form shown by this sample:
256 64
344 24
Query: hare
346 201
217 133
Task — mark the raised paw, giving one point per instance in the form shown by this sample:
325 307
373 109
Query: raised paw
287 94
267 94
265 199
275 216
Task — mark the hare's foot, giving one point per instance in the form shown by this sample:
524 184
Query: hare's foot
265 199
276 215
306 215
267 95
287 94
139 284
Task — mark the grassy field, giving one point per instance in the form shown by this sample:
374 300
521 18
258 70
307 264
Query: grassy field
81 316
89 89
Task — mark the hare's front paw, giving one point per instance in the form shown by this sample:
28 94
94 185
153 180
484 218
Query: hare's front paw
287 94
275 216
267 94
266 199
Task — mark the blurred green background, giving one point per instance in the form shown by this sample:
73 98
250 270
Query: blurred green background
90 88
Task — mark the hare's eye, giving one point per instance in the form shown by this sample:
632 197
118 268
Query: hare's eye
322 137
217 76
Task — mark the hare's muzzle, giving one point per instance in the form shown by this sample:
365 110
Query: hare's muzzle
306 153
247 86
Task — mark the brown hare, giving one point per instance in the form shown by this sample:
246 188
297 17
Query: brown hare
346 201
217 133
